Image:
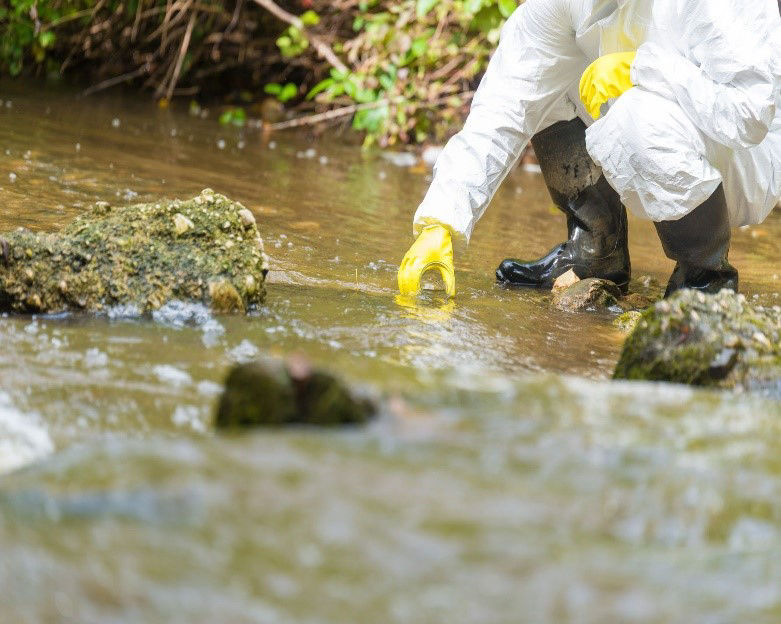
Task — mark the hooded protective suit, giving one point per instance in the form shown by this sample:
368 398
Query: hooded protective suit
706 109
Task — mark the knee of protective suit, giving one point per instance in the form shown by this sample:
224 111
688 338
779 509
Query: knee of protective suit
565 163
653 156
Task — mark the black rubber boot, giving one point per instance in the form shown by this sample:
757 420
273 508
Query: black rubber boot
597 245
699 243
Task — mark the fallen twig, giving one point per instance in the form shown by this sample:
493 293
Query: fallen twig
337 113
106 84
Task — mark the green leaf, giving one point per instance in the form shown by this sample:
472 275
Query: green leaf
289 91
236 116
273 88
321 86
386 82
422 7
365 95
46 39
506 7
371 119
418 47
310 18
239 117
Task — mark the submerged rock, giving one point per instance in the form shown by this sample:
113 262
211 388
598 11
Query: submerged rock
707 340
277 393
587 293
206 249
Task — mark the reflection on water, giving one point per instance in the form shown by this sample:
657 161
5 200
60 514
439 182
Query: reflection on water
496 484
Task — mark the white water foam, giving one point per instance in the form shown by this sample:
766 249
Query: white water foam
23 439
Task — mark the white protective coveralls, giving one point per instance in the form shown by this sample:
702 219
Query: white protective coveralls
706 108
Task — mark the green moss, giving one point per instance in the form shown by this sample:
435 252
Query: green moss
206 249
707 340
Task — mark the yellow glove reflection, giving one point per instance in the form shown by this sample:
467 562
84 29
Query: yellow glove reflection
606 78
432 250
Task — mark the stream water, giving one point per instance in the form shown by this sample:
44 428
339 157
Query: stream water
507 480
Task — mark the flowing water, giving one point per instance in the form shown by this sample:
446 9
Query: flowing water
506 480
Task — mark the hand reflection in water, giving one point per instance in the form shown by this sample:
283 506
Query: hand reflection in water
434 309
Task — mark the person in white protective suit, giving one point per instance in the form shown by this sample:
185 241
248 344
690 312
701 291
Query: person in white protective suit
671 108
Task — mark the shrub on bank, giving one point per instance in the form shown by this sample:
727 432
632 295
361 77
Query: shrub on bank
399 71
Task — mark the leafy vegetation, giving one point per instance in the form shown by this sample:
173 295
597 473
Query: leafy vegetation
399 71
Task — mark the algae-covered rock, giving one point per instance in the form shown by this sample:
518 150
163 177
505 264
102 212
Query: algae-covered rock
276 393
707 340
627 321
206 249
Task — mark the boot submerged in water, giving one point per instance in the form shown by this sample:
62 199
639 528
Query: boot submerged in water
699 243
597 244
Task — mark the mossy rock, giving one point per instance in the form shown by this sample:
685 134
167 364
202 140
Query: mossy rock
706 340
273 393
206 249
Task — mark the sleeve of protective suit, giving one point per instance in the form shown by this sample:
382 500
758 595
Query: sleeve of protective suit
536 61
727 85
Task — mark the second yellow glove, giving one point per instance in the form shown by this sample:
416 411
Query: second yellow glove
606 78
432 250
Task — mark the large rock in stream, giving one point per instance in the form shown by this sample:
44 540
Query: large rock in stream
706 340
206 250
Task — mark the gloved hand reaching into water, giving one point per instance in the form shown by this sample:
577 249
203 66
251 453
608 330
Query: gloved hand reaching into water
432 250
606 78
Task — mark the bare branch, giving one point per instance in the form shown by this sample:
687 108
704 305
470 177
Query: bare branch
338 113
182 52
323 49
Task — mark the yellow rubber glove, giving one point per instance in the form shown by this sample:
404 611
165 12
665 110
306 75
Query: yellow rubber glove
432 250
606 78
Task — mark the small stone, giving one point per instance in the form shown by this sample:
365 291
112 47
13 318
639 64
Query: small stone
636 301
182 224
723 363
565 280
588 293
762 339
225 298
34 303
247 218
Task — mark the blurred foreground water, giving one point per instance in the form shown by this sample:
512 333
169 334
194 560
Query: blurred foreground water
506 480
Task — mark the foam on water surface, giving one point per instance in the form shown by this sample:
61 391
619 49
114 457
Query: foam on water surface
23 439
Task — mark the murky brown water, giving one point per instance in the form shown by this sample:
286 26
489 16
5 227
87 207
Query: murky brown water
507 482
